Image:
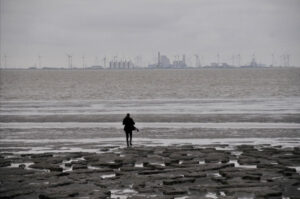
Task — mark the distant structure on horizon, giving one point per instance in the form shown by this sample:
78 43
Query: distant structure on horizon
254 64
160 61
120 64
164 62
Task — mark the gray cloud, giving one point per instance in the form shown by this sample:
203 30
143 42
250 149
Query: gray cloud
142 27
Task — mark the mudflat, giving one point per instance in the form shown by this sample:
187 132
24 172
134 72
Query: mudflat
174 171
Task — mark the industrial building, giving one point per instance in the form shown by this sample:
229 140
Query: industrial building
118 64
164 62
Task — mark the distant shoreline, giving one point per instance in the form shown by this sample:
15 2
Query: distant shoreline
146 68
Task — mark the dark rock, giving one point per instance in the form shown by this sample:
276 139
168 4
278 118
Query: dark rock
190 162
58 195
54 160
79 166
93 157
63 174
107 164
180 157
155 197
247 161
208 167
132 168
178 181
195 175
154 166
174 191
14 172
151 172
246 148
82 162
292 192
144 189
41 155
46 166
269 193
22 166
15 193
61 183
5 163
68 164
168 162
216 157
251 177
104 149
258 191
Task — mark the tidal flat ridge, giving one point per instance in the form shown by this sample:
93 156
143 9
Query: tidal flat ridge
174 171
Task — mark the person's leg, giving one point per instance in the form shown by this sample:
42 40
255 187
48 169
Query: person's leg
130 135
127 137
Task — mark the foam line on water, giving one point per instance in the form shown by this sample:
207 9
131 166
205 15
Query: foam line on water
158 106
156 125
285 142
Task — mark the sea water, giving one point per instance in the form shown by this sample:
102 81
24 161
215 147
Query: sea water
192 103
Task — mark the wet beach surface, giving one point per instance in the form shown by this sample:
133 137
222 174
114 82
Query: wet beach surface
204 134
173 171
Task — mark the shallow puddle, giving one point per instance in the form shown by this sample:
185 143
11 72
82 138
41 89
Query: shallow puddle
243 195
211 195
17 165
108 176
122 193
69 168
160 164
93 167
27 164
236 153
297 169
216 174
138 165
236 164
222 193
201 162
182 197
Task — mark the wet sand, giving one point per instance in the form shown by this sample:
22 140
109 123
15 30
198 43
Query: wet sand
143 171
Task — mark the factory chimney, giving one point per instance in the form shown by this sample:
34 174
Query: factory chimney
158 60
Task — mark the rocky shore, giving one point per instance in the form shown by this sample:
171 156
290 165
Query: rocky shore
175 171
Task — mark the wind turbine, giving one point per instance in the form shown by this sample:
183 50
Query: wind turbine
239 60
104 62
5 61
83 62
96 61
232 60
197 61
69 61
39 61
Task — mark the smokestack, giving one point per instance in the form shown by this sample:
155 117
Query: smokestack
158 59
183 59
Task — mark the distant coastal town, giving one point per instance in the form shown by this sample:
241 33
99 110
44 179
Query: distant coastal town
160 61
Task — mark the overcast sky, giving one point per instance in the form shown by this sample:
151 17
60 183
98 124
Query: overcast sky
130 28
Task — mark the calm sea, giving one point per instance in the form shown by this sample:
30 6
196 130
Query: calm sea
201 103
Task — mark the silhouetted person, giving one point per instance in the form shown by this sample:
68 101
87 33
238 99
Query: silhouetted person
128 128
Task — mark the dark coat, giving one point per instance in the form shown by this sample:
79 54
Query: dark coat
128 124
